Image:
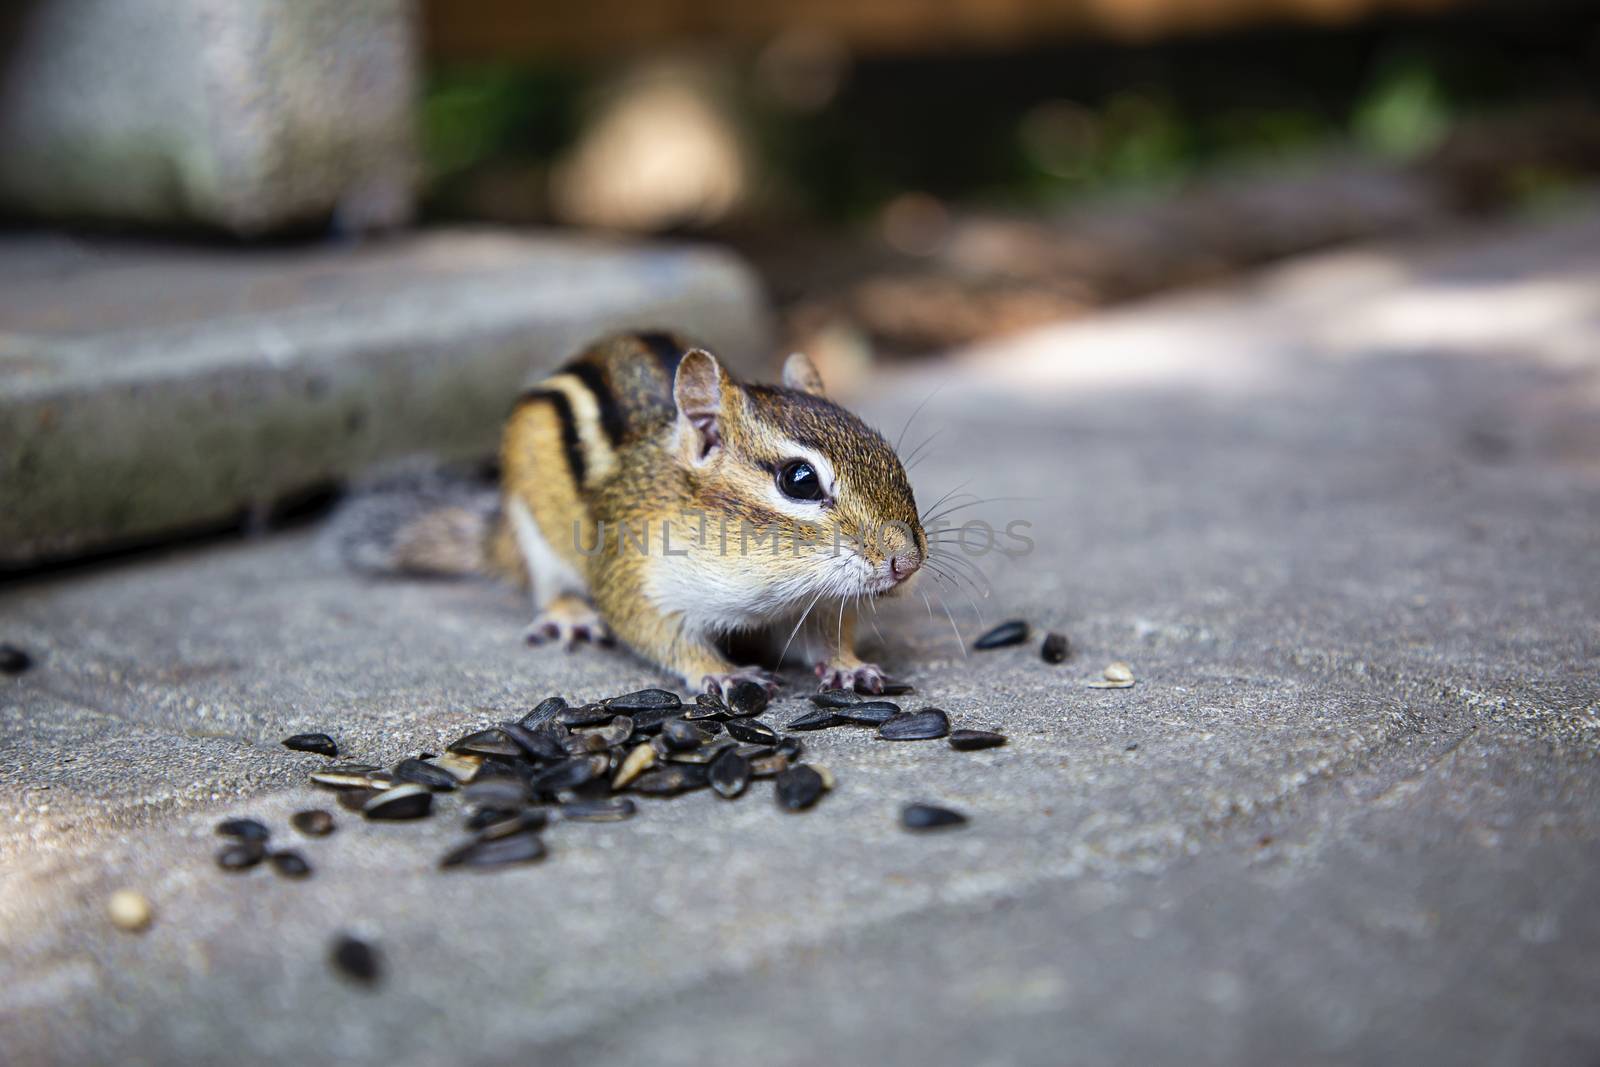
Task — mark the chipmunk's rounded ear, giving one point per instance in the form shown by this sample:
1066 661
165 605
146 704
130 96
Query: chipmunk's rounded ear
698 391
800 373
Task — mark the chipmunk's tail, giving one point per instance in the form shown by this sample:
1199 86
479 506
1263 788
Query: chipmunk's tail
419 521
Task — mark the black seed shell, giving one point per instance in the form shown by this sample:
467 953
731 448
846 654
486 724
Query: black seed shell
751 731
608 809
490 742
930 817
544 711
409 801
314 823
924 725
869 712
1007 633
321 744
798 788
244 829
819 719
355 959
241 855
748 698
729 773
290 864
835 698
1055 648
537 744
420 772
972 740
523 847
14 660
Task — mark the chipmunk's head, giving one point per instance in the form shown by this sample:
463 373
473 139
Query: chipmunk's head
790 461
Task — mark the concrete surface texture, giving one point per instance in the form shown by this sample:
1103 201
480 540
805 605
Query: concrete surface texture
1350 813
244 116
146 390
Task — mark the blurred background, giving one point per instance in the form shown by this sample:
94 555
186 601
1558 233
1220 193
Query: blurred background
189 179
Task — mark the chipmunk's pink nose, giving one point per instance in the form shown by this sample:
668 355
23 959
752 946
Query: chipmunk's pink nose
903 567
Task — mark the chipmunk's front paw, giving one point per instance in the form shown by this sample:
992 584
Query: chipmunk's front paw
568 620
723 684
862 677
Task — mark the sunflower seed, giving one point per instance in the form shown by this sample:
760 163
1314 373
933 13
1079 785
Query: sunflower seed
972 740
490 742
355 799
869 712
729 773
820 719
582 744
420 773
314 823
356 960
930 817
748 698
345 776
644 700
1007 633
835 698
591 714
244 829
798 788
537 744
751 731
641 759
290 864
571 774
681 736
241 855
609 809
701 713
462 768
482 817
893 687
1055 648
321 744
666 781
14 660
923 725
790 748
615 732
129 910
705 755
497 793
531 819
408 801
524 847
768 766
545 711
1106 683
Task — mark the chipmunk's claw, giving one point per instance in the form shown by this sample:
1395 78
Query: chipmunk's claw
863 678
723 684
569 621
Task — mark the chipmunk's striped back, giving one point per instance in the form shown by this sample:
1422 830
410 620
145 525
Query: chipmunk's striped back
567 434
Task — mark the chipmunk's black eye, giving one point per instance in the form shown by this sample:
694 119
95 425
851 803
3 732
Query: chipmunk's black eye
798 480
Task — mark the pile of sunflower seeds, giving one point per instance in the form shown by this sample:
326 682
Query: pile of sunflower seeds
588 763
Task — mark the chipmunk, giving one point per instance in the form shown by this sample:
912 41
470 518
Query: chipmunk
646 496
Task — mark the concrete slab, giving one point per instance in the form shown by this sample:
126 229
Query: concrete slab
151 390
1350 813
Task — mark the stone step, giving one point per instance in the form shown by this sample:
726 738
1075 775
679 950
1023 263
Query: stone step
151 390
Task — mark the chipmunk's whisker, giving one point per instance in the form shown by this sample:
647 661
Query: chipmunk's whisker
941 500
918 411
911 460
